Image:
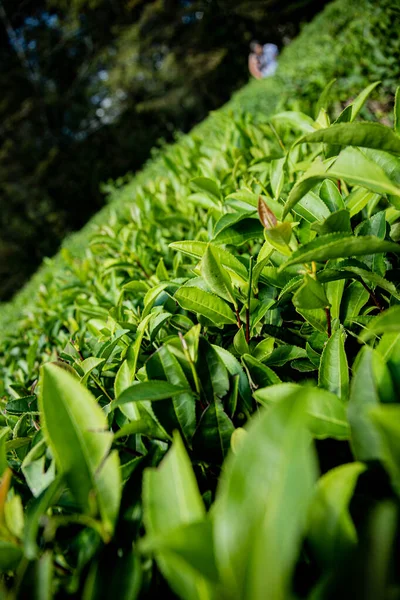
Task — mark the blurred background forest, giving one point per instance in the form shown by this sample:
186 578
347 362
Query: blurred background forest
89 87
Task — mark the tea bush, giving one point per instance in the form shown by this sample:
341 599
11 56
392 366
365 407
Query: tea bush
204 403
209 335
354 43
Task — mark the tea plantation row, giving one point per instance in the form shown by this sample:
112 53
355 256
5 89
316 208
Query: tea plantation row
204 402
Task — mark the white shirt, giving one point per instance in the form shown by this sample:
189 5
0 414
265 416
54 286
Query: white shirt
267 60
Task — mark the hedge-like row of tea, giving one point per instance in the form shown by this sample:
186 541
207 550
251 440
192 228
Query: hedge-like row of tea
203 403
355 43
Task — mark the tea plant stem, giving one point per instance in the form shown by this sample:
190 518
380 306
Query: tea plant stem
262 186
236 167
248 300
239 323
329 320
141 267
101 388
192 367
278 138
372 295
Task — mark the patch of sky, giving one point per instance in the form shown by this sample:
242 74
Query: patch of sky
107 102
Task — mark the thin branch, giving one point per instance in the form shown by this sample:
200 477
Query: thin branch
329 320
249 299
372 295
239 322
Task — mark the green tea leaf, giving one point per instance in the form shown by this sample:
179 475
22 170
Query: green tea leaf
76 430
239 342
122 381
216 277
375 225
192 543
311 294
197 250
171 495
283 354
316 173
367 135
358 199
207 185
230 219
334 370
316 317
152 295
146 424
183 403
150 391
331 532
213 435
355 298
359 168
364 395
387 423
235 369
312 208
355 270
362 97
88 365
326 412
277 176
213 374
324 99
240 233
270 477
134 349
295 119
260 375
337 245
279 237
330 194
386 322
171 499
161 271
10 556
334 292
34 470
338 221
212 307
353 166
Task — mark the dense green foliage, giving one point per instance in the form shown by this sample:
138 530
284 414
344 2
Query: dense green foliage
88 88
217 322
203 401
299 62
